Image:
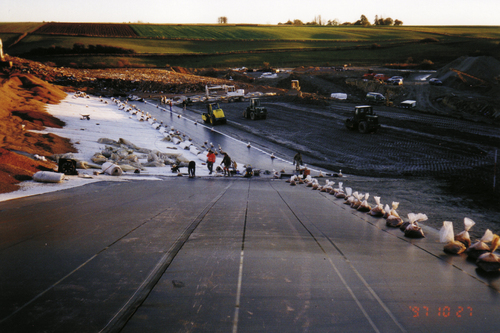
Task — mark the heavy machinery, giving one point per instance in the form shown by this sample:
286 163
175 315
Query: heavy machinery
214 114
462 76
224 92
363 120
255 110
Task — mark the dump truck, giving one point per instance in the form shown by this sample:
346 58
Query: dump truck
255 110
214 114
363 120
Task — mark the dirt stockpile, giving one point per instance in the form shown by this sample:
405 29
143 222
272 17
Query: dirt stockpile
23 98
118 81
479 72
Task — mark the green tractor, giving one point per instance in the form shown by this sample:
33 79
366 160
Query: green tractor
255 110
363 120
214 114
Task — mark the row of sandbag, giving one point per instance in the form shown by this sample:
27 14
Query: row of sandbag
359 202
482 251
170 135
124 153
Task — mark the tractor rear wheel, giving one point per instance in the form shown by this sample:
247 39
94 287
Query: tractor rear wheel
252 115
363 127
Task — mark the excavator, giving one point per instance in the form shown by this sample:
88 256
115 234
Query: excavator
462 76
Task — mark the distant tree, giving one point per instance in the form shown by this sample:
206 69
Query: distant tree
376 20
364 21
222 20
319 20
297 22
398 22
388 21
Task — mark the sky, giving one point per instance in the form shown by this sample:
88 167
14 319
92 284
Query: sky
420 12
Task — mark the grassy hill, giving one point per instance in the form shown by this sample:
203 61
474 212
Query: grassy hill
247 45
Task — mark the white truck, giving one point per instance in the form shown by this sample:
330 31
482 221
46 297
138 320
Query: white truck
224 92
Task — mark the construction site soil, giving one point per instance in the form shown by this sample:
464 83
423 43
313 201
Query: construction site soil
438 158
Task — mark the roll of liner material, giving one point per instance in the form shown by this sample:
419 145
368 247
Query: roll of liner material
111 169
48 177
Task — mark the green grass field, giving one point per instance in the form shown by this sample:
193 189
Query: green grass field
251 46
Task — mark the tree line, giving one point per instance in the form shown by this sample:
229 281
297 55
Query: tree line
363 21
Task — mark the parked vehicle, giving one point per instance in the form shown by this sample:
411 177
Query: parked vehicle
408 104
376 98
229 93
395 80
435 82
381 77
363 120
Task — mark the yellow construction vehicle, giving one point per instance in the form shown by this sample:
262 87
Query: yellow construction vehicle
214 114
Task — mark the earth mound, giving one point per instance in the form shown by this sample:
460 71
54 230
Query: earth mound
23 98
477 71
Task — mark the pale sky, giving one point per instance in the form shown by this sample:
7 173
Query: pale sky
411 12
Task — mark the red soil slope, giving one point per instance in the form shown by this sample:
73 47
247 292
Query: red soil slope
23 99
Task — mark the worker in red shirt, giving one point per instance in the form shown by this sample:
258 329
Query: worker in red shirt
210 161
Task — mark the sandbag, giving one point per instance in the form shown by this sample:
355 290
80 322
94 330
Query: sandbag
48 177
413 230
107 141
112 169
446 235
357 200
481 246
98 158
490 261
454 247
464 235
394 221
387 211
378 210
194 150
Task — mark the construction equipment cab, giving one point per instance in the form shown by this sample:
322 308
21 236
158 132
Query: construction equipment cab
255 110
363 120
214 115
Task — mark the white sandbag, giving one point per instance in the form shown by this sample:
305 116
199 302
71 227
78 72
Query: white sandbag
203 156
48 177
464 236
378 210
182 158
446 233
176 141
185 144
194 150
112 169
